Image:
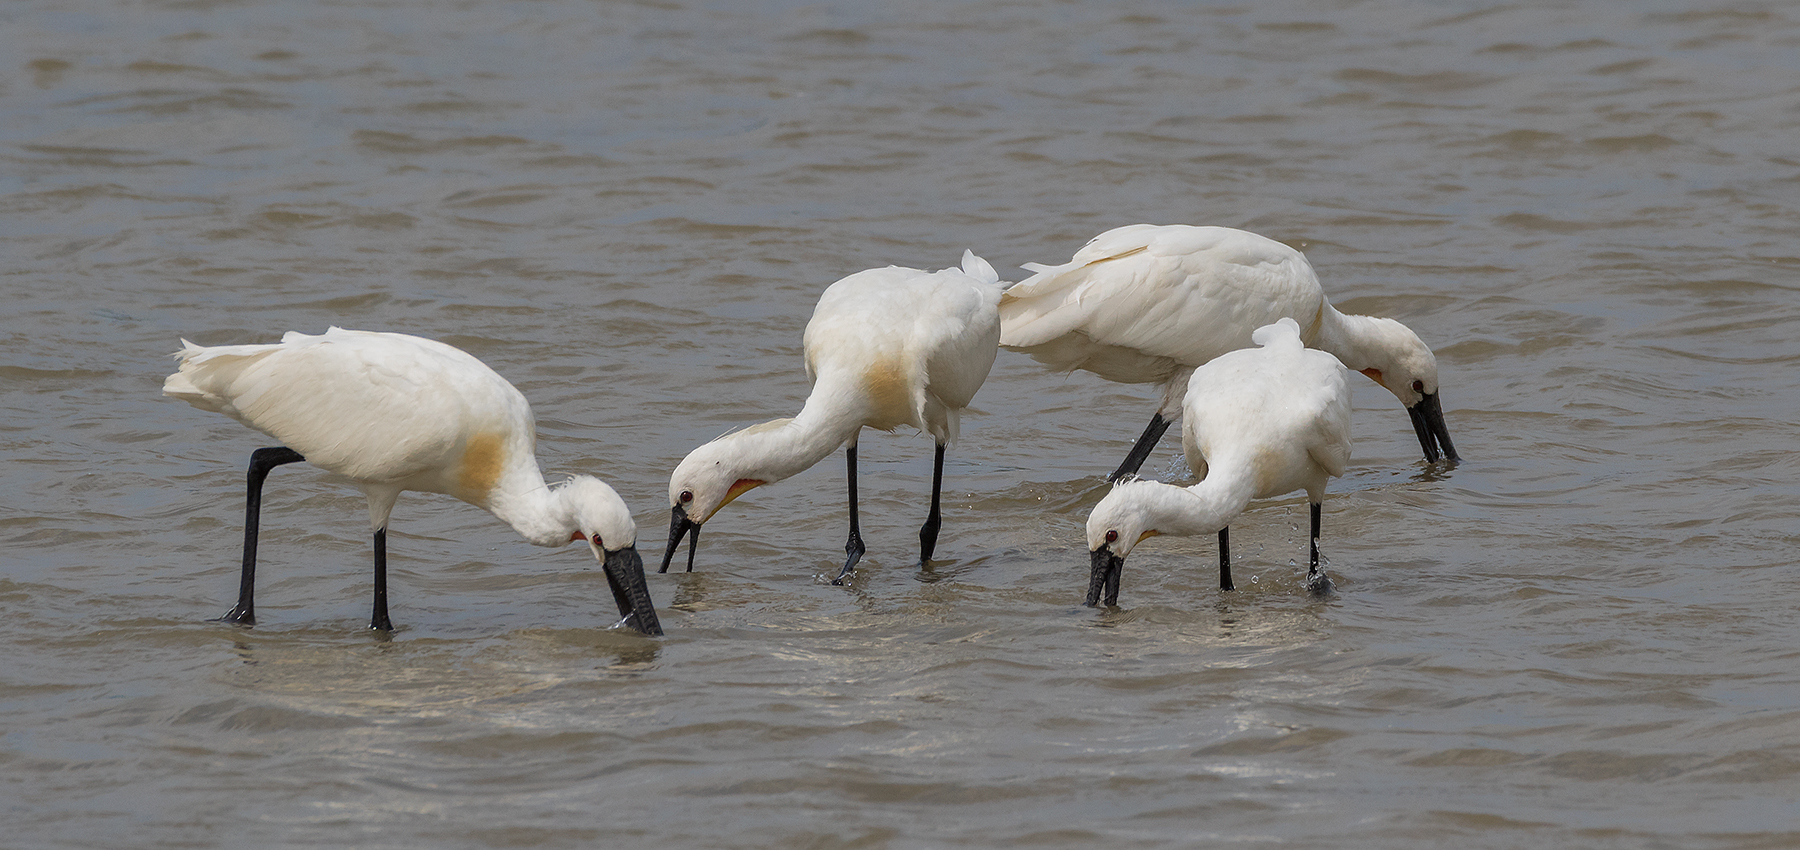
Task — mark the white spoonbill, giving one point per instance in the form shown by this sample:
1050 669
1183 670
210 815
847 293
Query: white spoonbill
885 348
1147 304
393 412
1259 423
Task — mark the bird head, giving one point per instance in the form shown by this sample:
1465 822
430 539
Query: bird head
1115 527
1402 363
602 520
705 481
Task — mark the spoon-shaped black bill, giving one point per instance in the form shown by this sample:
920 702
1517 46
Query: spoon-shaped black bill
1428 422
679 524
625 575
1104 579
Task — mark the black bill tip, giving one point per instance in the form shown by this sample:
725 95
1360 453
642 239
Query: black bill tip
679 524
1428 422
625 575
1104 578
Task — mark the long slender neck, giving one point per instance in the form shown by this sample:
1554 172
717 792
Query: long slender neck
1205 507
1352 339
780 449
538 513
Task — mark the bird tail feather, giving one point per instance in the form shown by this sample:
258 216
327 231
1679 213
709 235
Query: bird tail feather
1283 329
978 268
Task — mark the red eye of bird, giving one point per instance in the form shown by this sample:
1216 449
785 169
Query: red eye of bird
1418 386
687 496
1112 536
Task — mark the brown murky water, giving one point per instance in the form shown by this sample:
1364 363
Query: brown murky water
1583 636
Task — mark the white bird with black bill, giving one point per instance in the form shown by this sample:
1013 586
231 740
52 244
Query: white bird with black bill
1258 423
1149 303
393 412
885 348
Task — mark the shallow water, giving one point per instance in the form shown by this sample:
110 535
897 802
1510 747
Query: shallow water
1584 635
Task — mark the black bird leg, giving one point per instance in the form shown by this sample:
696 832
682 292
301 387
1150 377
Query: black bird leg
853 548
1316 579
928 533
261 462
1225 559
1146 444
378 621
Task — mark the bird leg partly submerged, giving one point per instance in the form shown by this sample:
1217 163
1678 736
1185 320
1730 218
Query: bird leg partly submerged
1317 582
928 533
378 621
1225 559
261 462
1146 443
853 548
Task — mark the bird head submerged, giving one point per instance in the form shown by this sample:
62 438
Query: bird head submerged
601 518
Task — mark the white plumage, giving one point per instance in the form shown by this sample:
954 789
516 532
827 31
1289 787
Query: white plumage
885 348
1148 303
1259 423
393 413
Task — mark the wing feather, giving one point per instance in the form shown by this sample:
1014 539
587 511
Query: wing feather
370 406
1167 294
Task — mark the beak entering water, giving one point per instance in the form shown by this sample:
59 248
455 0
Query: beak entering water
1107 568
679 524
1428 421
625 575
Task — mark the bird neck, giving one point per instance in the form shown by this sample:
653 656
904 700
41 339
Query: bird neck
537 512
1356 341
1203 508
782 448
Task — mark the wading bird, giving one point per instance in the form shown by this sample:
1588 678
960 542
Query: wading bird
1259 423
1148 303
885 348
393 412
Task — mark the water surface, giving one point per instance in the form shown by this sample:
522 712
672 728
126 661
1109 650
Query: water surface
1584 635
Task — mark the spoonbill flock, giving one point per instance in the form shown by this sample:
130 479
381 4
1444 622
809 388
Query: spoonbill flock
886 348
